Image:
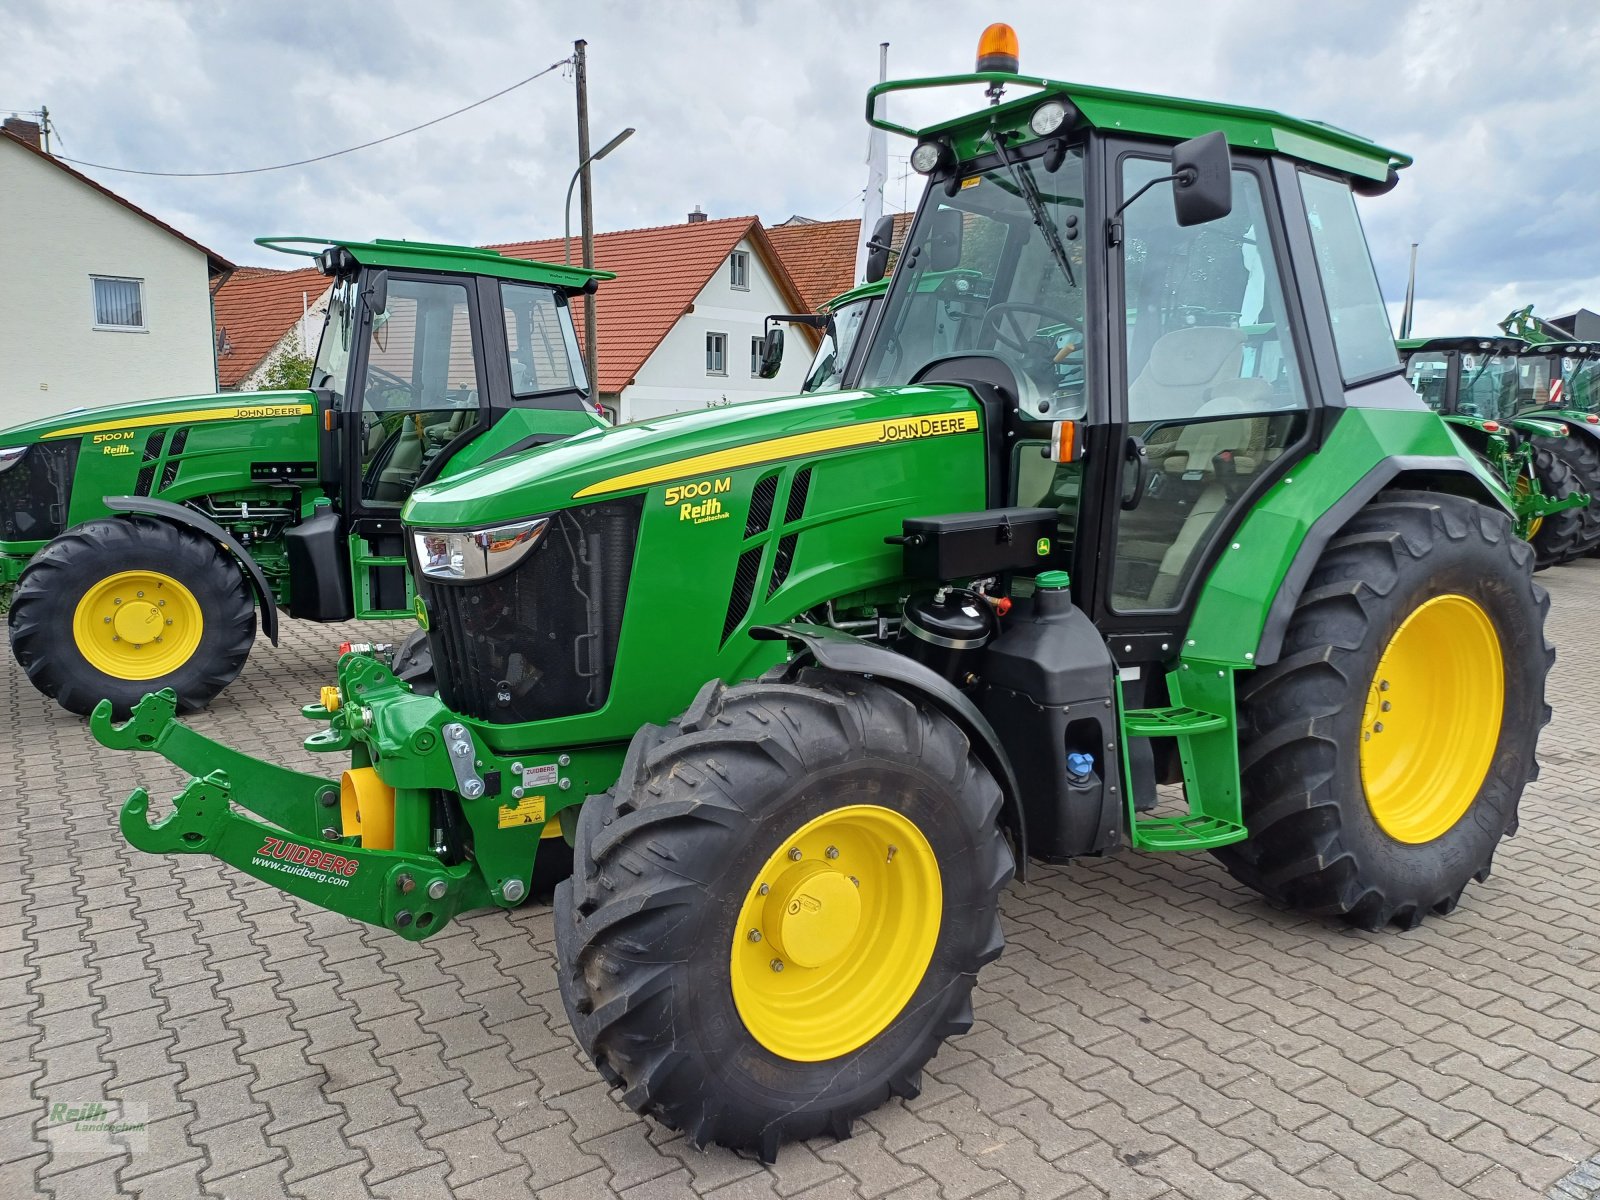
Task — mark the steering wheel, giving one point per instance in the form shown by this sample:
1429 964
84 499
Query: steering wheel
1022 342
390 379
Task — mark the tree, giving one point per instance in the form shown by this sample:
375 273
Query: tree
289 371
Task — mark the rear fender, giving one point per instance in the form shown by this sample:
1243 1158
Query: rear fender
177 514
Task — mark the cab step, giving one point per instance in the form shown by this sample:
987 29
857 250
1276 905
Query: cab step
1204 722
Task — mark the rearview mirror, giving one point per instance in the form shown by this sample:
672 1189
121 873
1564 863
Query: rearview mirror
878 246
375 291
944 240
771 353
1202 186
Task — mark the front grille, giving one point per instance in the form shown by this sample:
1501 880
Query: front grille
35 492
539 641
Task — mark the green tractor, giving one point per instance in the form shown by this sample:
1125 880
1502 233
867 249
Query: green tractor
1559 380
1473 383
841 321
804 681
143 538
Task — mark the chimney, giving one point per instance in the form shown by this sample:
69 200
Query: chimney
28 131
694 218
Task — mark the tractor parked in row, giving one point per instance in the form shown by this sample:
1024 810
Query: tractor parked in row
1137 495
146 540
1474 384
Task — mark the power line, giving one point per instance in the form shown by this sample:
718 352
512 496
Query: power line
301 162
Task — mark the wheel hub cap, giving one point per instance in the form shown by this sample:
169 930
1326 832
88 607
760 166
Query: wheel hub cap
814 916
139 622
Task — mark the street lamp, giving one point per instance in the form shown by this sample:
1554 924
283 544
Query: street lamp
595 157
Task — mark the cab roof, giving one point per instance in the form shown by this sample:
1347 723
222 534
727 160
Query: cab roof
438 256
1171 118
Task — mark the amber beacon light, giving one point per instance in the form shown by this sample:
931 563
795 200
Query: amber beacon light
998 49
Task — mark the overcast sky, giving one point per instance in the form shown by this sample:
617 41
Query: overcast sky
757 108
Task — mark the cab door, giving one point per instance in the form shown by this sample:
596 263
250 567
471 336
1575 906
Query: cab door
418 387
1209 401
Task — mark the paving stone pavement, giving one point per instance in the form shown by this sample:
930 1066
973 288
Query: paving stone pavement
1153 1031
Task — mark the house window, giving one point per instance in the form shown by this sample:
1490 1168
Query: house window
118 303
739 270
756 346
716 354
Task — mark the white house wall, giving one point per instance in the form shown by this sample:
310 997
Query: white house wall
55 233
674 379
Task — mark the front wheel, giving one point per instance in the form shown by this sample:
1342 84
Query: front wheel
1384 754
118 607
1561 535
778 913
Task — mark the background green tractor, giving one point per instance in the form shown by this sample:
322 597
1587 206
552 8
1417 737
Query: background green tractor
840 322
143 537
805 680
1559 380
1474 383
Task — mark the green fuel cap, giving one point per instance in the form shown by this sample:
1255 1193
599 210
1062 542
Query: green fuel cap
1052 579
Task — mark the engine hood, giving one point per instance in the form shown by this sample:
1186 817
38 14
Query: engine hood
170 410
685 447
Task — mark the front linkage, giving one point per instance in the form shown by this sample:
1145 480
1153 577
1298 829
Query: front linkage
393 854
1508 447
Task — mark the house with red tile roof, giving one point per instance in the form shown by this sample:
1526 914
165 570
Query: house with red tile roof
101 302
821 255
261 314
679 326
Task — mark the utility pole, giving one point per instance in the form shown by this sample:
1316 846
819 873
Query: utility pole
586 210
44 126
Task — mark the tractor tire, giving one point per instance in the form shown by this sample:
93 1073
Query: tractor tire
1559 536
1581 453
85 611
1421 623
697 967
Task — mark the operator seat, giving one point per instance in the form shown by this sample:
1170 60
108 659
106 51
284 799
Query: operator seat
1187 367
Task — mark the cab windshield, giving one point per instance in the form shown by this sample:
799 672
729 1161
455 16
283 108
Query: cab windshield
1488 386
333 351
1564 381
996 269
826 373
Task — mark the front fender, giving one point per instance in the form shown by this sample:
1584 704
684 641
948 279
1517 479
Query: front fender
840 651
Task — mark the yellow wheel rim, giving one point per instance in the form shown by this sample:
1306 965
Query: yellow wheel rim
1522 491
836 932
1432 719
137 625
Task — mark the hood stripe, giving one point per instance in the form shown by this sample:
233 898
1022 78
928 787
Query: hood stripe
244 412
841 437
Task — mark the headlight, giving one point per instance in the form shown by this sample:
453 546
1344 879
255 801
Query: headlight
467 555
11 457
1048 117
930 156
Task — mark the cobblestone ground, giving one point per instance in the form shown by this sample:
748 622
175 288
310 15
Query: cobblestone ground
1153 1030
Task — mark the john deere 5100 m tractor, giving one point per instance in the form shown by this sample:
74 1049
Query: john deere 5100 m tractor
805 679
146 535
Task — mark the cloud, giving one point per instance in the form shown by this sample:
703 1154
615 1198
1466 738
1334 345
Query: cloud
751 107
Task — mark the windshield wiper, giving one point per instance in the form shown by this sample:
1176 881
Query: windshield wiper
1030 193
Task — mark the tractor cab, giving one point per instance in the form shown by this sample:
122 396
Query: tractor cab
419 358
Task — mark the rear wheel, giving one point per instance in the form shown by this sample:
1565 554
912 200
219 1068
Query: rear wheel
777 915
116 608
1383 755
1581 452
1558 536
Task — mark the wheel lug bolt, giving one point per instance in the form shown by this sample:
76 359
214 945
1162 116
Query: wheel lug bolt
1386 706
107 620
1383 685
855 881
117 600
1377 727
161 603
794 855
140 595
755 935
763 890
777 964
169 620
833 852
